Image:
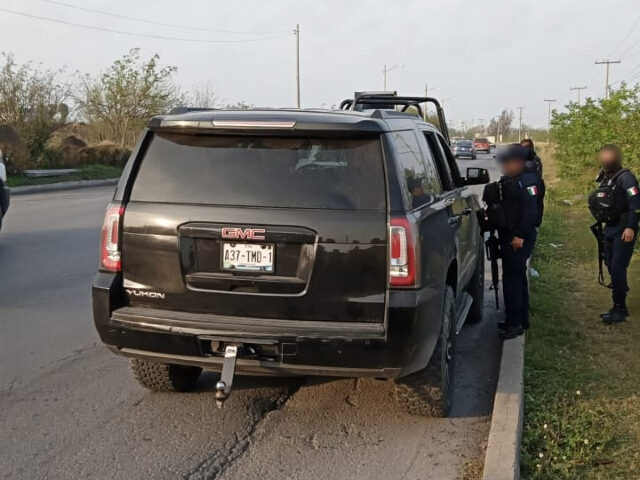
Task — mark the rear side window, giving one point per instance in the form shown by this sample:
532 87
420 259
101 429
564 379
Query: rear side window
331 173
419 173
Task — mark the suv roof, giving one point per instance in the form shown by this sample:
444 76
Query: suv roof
279 120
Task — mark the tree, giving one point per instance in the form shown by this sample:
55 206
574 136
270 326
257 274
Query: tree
123 98
501 125
582 129
32 101
202 96
241 105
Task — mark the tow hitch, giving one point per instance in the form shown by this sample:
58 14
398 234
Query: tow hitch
223 386
258 349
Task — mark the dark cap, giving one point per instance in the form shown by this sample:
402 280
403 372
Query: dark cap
513 152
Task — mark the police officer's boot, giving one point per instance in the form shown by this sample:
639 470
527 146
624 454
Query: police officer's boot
619 308
617 314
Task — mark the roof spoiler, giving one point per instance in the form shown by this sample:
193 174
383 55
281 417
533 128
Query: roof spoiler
385 100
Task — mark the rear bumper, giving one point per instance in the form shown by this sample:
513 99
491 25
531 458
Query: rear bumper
282 347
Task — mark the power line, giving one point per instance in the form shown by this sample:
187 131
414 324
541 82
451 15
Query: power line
150 22
143 35
626 37
629 48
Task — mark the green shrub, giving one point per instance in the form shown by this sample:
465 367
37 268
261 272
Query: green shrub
583 129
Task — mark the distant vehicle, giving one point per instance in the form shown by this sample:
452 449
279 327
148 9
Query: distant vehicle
482 145
4 190
464 148
293 242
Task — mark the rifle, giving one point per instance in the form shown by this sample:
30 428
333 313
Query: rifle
492 246
598 232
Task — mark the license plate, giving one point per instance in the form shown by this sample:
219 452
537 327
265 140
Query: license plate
248 257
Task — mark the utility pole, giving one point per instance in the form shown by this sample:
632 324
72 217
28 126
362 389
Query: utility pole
520 124
549 101
386 70
481 120
426 94
606 82
296 32
578 90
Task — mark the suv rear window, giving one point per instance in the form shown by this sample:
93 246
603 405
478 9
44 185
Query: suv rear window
482 140
294 172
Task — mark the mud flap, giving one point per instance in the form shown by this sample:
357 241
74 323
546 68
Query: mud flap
223 386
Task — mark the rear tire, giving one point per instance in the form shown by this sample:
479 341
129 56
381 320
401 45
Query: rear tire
476 288
429 392
161 377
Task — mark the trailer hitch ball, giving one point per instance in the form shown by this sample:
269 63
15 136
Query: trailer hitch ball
221 396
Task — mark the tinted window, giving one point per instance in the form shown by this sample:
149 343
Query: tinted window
452 165
464 143
482 140
262 171
420 175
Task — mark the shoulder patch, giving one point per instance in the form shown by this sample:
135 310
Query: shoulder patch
533 190
633 191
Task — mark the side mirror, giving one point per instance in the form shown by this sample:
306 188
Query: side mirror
477 176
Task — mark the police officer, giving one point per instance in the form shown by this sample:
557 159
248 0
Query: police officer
520 200
621 231
534 163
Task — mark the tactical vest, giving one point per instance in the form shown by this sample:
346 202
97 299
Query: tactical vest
605 204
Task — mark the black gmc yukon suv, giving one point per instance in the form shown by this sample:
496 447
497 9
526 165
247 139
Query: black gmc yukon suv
292 242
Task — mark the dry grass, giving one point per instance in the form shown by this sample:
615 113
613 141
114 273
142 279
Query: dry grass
473 470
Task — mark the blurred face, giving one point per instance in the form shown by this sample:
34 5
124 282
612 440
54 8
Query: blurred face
526 144
608 160
512 168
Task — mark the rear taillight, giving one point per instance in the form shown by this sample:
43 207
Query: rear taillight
402 253
110 245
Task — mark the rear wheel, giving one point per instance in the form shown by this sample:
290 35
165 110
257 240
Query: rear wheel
476 288
429 392
164 376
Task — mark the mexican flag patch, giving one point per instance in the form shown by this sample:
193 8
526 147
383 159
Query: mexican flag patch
533 190
632 191
601 195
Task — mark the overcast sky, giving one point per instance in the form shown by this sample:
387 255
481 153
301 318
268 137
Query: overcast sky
480 56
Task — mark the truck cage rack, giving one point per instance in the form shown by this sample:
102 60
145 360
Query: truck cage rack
386 100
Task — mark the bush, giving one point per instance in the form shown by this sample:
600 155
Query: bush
583 129
104 153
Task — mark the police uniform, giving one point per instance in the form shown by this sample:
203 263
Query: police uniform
617 253
521 202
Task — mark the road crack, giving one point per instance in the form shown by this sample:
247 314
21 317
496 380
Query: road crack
215 466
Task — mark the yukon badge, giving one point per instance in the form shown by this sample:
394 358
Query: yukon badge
145 294
235 233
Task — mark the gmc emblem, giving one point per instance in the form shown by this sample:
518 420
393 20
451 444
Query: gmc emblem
235 233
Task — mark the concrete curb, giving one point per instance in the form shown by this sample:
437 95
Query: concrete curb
502 459
52 187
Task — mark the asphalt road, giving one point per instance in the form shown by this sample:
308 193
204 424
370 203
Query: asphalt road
69 409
